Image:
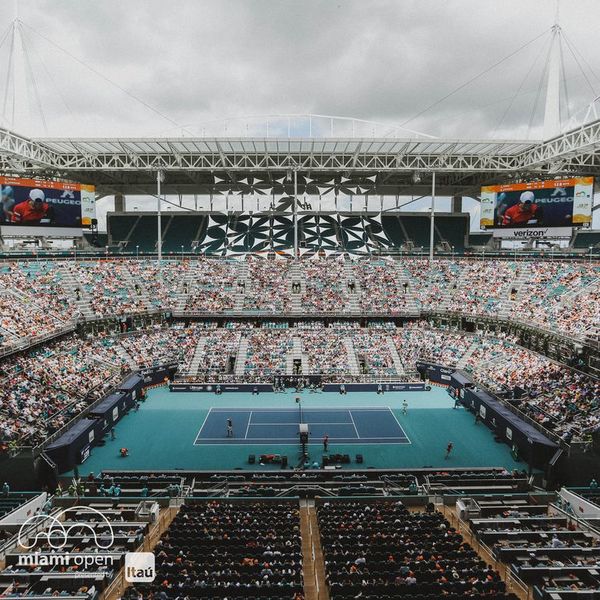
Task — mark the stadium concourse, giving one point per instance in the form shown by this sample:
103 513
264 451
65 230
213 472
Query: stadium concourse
450 408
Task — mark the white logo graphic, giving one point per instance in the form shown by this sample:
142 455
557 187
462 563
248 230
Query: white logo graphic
139 567
57 535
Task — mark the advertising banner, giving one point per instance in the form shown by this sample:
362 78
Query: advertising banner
35 203
537 205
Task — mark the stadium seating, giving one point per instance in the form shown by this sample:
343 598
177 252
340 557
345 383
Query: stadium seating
43 297
229 549
378 549
43 389
549 552
120 530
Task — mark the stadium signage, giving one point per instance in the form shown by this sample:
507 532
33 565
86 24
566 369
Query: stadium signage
528 233
28 204
537 205
139 566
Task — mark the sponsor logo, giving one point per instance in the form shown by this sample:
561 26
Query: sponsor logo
530 233
139 567
47 544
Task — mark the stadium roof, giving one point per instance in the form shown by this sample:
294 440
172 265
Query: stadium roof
384 165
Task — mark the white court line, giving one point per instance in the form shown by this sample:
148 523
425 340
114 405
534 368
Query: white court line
202 427
354 425
304 409
401 428
248 426
287 442
199 442
308 423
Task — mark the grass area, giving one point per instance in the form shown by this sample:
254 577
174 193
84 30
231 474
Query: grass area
161 434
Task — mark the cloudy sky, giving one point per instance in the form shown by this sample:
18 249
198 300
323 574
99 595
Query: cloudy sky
191 63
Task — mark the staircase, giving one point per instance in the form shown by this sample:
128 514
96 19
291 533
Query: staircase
460 284
296 354
571 296
181 298
353 298
140 292
313 563
194 366
125 356
238 303
70 285
510 302
296 297
352 359
412 304
240 359
398 366
465 357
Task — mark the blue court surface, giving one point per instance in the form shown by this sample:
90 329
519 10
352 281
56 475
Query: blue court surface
342 425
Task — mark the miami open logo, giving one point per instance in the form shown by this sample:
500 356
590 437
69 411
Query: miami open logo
46 538
56 535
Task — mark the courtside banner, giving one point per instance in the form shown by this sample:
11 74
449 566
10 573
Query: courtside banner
556 203
42 203
216 388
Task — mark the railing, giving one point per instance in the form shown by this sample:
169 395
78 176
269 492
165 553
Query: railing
82 415
511 580
226 378
30 341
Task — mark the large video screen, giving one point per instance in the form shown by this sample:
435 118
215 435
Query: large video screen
558 203
41 203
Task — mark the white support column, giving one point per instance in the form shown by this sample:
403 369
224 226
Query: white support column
432 228
159 180
296 256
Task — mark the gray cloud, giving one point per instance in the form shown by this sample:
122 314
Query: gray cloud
199 60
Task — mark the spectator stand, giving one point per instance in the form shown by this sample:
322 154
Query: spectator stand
548 551
119 525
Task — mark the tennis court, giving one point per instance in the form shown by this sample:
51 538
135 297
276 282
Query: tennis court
342 425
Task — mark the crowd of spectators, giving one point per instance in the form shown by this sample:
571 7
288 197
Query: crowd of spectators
212 285
374 352
325 287
267 352
223 549
32 302
383 289
325 351
40 297
268 288
378 549
41 388
108 287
